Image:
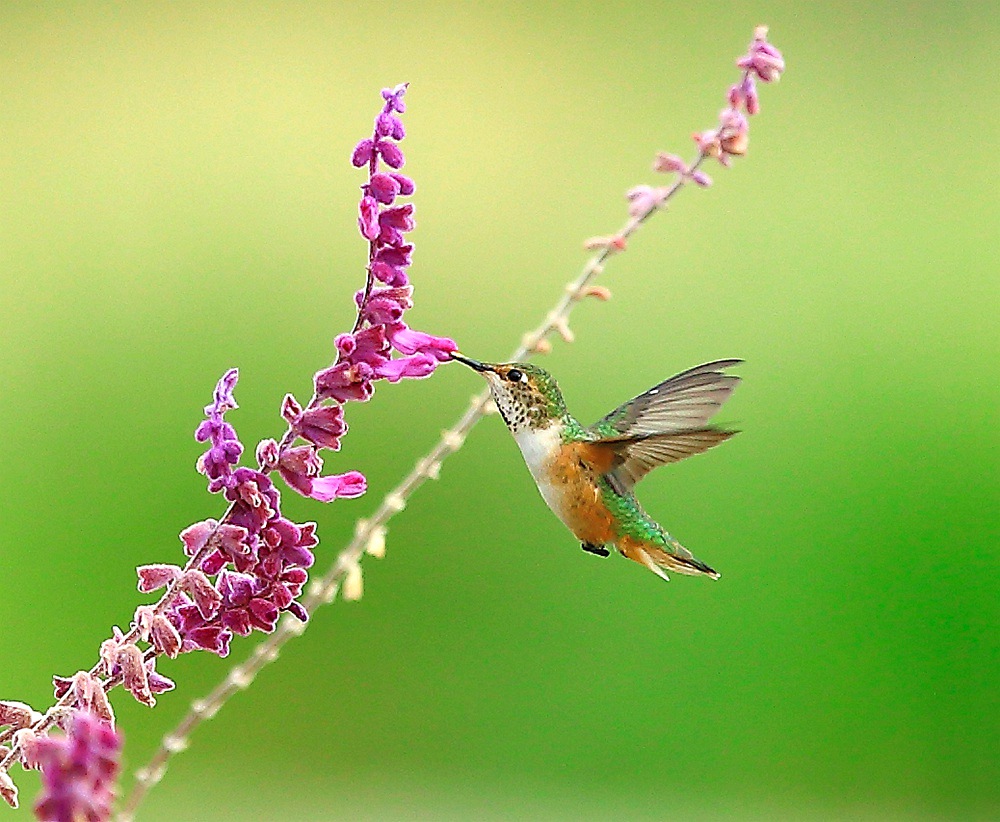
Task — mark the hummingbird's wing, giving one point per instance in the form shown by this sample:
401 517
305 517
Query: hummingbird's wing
634 457
686 401
667 423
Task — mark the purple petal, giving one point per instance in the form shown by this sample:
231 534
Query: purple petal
152 577
363 153
343 486
391 154
384 188
407 341
368 218
417 365
394 97
406 185
297 611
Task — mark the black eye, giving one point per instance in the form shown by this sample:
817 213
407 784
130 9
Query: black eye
514 375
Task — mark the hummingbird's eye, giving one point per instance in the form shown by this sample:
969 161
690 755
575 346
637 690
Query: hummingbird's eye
514 375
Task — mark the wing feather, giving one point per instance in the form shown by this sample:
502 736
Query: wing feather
682 403
636 457
668 423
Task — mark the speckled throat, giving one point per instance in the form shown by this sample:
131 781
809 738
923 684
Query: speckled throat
521 406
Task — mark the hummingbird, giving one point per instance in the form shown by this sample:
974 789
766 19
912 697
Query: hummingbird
586 475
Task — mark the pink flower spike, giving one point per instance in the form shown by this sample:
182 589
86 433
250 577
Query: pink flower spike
338 486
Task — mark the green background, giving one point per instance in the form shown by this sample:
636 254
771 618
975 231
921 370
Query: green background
177 199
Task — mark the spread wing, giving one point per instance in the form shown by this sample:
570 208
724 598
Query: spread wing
668 423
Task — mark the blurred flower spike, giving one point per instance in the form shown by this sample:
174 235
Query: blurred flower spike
78 769
730 139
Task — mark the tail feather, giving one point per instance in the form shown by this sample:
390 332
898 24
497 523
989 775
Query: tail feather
659 561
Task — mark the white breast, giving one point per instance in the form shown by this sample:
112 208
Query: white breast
537 447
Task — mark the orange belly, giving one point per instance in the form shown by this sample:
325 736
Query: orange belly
574 496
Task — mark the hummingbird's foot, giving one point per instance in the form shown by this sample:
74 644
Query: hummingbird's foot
599 550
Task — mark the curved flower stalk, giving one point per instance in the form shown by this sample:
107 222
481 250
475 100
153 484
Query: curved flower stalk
248 567
727 140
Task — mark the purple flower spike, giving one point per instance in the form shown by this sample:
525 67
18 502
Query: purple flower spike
366 354
225 450
78 770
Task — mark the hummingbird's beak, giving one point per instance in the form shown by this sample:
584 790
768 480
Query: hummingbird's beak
478 366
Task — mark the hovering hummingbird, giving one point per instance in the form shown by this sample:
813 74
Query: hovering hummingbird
586 475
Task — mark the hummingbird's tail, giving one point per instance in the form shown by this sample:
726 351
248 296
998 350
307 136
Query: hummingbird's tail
659 561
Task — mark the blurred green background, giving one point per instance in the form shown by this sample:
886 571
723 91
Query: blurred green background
177 199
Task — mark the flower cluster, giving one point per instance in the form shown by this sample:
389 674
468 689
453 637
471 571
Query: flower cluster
731 137
257 557
78 769
244 570
366 354
728 139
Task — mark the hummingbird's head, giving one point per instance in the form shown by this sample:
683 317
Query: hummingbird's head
527 396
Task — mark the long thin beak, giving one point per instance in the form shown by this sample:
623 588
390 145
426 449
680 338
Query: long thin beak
478 366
